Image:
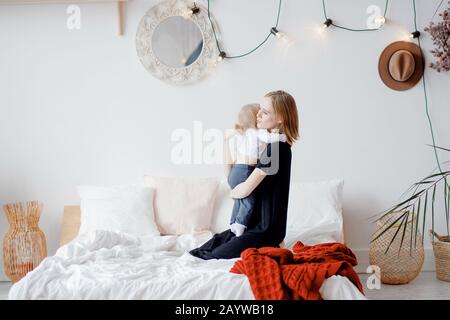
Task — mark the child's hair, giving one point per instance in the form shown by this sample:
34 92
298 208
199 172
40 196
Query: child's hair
247 117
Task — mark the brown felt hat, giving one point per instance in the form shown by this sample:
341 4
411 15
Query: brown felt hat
401 65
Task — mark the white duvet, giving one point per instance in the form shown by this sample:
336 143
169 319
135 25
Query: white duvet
112 265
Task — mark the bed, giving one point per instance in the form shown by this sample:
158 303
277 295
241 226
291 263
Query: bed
113 263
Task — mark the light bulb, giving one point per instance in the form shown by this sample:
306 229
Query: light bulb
327 23
189 12
195 10
414 34
276 33
221 56
380 20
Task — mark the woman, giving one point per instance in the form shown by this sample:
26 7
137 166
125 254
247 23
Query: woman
270 183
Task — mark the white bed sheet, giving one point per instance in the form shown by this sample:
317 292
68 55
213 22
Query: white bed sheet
112 265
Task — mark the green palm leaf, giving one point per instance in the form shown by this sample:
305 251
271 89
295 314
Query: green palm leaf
411 232
394 208
438 147
432 208
410 209
403 235
387 228
446 202
395 235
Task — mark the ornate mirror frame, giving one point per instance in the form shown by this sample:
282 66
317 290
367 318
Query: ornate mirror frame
184 75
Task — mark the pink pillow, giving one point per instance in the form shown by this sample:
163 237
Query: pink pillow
183 205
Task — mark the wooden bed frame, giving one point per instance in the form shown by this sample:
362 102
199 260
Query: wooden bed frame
71 225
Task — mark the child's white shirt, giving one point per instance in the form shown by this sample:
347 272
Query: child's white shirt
253 142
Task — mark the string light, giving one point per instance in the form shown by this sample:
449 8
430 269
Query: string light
195 9
273 31
328 22
191 11
222 55
276 33
381 20
414 34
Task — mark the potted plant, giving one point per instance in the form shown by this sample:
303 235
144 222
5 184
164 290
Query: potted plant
399 228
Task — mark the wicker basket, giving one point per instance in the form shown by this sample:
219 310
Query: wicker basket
441 249
399 265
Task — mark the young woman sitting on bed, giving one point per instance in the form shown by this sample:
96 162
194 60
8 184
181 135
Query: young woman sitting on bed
268 183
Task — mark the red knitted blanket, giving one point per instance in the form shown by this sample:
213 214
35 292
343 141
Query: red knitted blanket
279 273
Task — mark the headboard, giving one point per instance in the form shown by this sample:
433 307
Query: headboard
71 225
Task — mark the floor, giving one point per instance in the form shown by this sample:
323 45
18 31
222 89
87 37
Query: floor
425 286
4 288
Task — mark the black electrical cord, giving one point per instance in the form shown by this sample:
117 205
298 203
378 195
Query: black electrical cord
223 55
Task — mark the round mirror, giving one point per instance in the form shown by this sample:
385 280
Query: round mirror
177 42
175 46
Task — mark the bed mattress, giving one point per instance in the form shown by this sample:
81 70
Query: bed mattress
112 265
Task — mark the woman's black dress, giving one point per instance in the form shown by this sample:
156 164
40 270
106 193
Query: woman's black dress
267 226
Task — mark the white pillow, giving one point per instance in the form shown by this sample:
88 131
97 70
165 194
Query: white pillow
222 209
183 204
126 209
314 212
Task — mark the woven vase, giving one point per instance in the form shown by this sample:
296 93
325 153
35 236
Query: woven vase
24 245
397 265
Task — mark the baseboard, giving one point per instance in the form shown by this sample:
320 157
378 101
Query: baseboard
363 260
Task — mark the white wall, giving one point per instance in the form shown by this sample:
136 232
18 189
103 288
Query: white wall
77 107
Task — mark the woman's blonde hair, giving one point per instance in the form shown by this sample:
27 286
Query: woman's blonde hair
285 107
247 117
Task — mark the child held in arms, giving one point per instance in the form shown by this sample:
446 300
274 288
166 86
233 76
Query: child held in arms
242 149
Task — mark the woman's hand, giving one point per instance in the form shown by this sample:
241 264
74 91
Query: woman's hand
244 189
238 192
